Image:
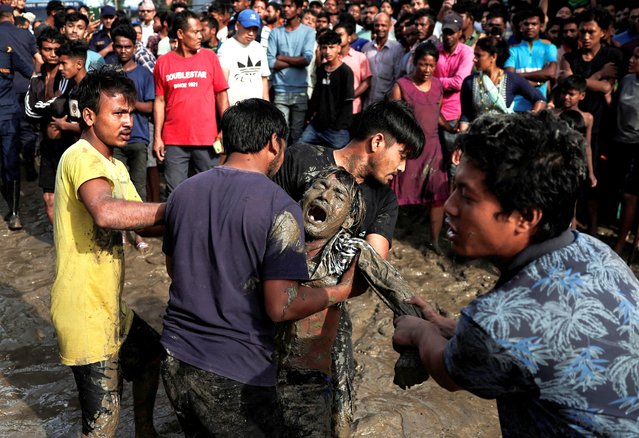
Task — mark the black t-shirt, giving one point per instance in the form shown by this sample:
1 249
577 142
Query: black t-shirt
594 102
303 162
332 100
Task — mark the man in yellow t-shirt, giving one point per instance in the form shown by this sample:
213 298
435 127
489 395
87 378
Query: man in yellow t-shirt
100 338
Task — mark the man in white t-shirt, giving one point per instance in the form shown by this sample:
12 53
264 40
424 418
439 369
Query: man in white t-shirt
243 60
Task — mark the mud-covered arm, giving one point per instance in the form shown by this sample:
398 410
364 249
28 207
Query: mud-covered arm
117 214
287 300
386 281
426 337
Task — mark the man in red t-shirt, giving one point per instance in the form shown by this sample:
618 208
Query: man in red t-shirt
189 87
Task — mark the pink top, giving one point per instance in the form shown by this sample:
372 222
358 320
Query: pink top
358 62
451 70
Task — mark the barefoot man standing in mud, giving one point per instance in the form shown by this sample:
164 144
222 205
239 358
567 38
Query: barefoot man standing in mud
100 338
555 341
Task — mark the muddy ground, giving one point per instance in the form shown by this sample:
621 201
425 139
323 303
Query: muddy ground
38 395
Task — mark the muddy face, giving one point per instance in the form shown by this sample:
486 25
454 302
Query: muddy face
326 208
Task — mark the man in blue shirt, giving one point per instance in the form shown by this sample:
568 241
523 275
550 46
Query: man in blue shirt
290 50
533 58
10 113
554 342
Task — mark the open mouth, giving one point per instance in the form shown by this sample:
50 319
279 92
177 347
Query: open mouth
316 214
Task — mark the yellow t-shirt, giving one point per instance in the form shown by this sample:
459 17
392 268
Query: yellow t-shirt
89 317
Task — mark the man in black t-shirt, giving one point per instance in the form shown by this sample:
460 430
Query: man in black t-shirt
600 65
386 136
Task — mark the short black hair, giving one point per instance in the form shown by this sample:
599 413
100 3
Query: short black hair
324 14
126 31
531 12
328 38
298 3
211 22
218 8
73 49
396 121
531 161
51 35
575 120
495 46
275 5
349 28
311 12
465 7
108 80
423 49
75 17
176 5
59 20
54 6
598 15
424 13
181 22
20 21
573 82
249 124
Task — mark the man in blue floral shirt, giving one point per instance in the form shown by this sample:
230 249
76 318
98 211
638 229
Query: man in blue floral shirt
556 342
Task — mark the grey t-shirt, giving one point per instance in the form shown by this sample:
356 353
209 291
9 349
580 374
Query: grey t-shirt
628 110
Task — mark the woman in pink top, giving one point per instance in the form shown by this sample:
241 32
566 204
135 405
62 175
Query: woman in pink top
425 181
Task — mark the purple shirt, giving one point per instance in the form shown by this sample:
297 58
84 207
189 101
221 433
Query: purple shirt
226 232
451 71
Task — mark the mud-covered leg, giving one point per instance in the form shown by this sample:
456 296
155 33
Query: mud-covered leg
145 388
344 373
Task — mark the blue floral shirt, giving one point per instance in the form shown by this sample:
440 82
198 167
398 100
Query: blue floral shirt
556 342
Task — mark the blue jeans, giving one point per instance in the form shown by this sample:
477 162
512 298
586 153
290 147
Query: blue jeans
10 152
332 138
293 106
178 158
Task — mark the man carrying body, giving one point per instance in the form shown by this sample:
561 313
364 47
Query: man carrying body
384 57
290 50
99 337
232 278
554 340
190 90
533 59
385 137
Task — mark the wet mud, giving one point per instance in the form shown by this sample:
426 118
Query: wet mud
38 396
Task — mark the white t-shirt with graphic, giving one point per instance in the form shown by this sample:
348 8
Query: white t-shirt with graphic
247 65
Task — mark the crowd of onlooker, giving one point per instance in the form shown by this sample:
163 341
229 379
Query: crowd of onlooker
321 63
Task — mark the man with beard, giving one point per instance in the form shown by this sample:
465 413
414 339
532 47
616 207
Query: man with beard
233 279
385 136
534 59
75 29
290 50
272 19
372 9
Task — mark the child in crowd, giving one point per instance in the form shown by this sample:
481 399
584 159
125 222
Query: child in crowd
571 91
330 109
